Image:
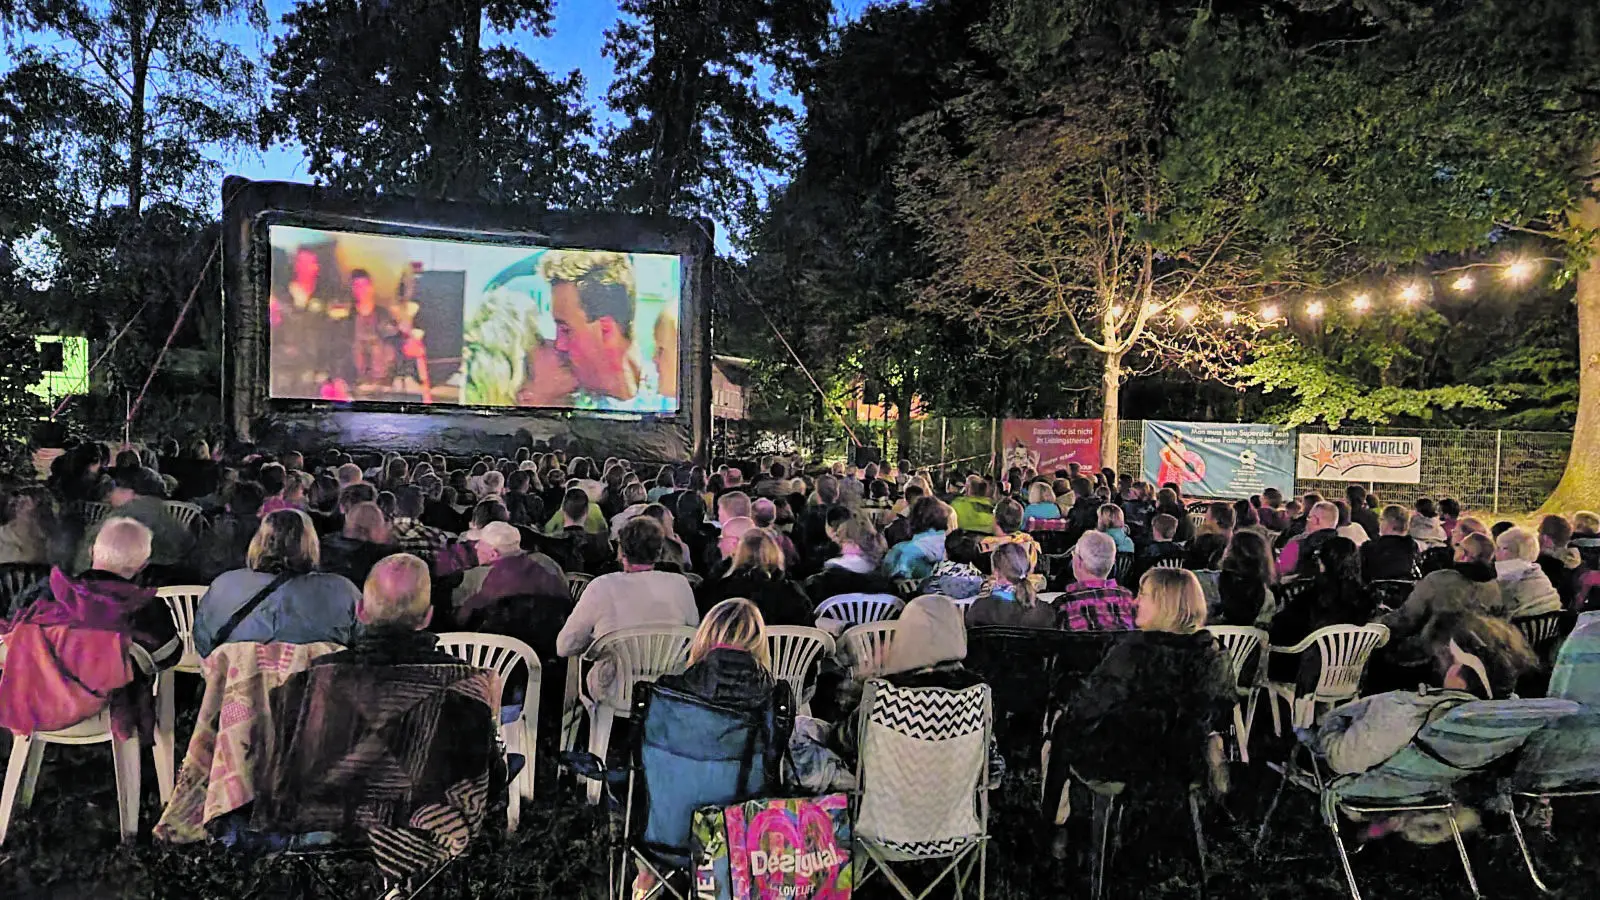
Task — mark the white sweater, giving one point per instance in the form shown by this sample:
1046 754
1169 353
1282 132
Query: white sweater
627 600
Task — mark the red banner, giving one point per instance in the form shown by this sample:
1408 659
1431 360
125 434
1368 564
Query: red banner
1049 444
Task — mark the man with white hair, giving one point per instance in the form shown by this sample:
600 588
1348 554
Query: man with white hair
1094 602
1299 556
58 644
1524 587
348 474
505 570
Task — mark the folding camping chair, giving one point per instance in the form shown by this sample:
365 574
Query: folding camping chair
1469 740
688 753
922 775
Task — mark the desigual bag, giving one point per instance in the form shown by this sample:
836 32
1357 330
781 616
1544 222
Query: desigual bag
779 849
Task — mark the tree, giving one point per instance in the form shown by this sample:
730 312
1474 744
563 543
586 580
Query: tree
133 90
698 124
1056 228
429 109
1417 129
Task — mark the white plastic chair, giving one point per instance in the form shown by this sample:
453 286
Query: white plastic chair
576 582
503 654
186 514
794 650
1197 519
1240 642
859 609
27 755
1169 564
864 649
1345 650
182 600
93 512
638 654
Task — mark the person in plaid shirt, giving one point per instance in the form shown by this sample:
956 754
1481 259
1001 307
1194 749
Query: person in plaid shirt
1093 602
407 531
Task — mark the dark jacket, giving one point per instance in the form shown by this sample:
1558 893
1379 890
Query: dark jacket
781 601
525 509
1367 518
1239 599
389 646
225 546
1185 532
441 515
1326 602
351 558
1145 713
834 580
811 537
726 677
1000 607
1151 554
1389 557
1136 514
1205 551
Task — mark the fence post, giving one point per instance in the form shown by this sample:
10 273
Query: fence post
994 443
1372 483
944 431
1497 434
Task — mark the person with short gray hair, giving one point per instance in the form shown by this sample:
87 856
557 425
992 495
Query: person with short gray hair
1524 586
1299 556
1093 601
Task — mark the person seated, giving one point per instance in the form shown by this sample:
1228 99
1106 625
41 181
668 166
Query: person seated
931 522
1337 596
633 500
855 570
571 515
1559 560
1525 590
1083 512
1392 555
1470 585
1355 499
1138 509
730 664
1425 527
417 773
1041 502
1586 537
764 512
1149 713
1469 657
1161 548
279 596
409 533
67 647
1168 504
27 526
732 505
1093 602
359 545
756 573
1008 521
1244 582
223 547
1008 596
505 570
675 553
1449 514
638 596
975 508
1348 527
290 495
132 497
584 550
957 575
1299 555
1211 538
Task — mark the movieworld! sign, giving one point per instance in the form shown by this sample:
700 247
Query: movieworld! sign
1331 457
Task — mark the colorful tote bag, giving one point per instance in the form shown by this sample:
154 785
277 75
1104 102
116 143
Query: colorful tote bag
778 849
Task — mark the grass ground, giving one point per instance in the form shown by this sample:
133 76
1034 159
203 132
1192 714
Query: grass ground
65 848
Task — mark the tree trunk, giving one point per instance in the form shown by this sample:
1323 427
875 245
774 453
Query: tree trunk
902 422
140 58
1110 395
1580 486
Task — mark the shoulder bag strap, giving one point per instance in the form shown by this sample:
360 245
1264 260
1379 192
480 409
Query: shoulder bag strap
243 612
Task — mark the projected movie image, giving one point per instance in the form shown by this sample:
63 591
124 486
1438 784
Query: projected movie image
375 318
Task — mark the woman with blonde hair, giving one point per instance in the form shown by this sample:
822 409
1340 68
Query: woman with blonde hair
1041 502
1008 596
279 597
755 572
1148 713
729 663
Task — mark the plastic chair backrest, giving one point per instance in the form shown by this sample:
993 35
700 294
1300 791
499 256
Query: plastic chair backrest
576 582
1240 642
1169 564
860 609
641 654
1463 742
93 512
1197 518
1345 651
182 602
184 513
1539 631
1120 568
493 651
866 648
795 649
923 758
16 578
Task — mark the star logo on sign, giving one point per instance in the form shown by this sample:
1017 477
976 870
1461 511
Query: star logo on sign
1324 458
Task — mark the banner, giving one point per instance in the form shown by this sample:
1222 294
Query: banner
1337 457
1049 444
1218 460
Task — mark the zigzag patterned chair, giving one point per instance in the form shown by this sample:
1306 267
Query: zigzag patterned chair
922 777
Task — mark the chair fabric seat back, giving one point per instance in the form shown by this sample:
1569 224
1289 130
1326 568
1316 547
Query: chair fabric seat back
1466 741
859 609
692 753
923 758
864 649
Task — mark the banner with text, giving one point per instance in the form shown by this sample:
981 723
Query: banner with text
1337 457
1219 460
1049 444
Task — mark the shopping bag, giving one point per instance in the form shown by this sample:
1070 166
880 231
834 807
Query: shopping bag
778 849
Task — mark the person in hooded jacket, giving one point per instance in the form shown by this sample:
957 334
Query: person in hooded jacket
1469 585
1525 588
756 574
915 559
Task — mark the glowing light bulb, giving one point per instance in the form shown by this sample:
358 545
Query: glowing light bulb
1116 311
1270 312
1361 302
1411 293
1228 316
1464 283
1315 309
1189 313
1520 271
